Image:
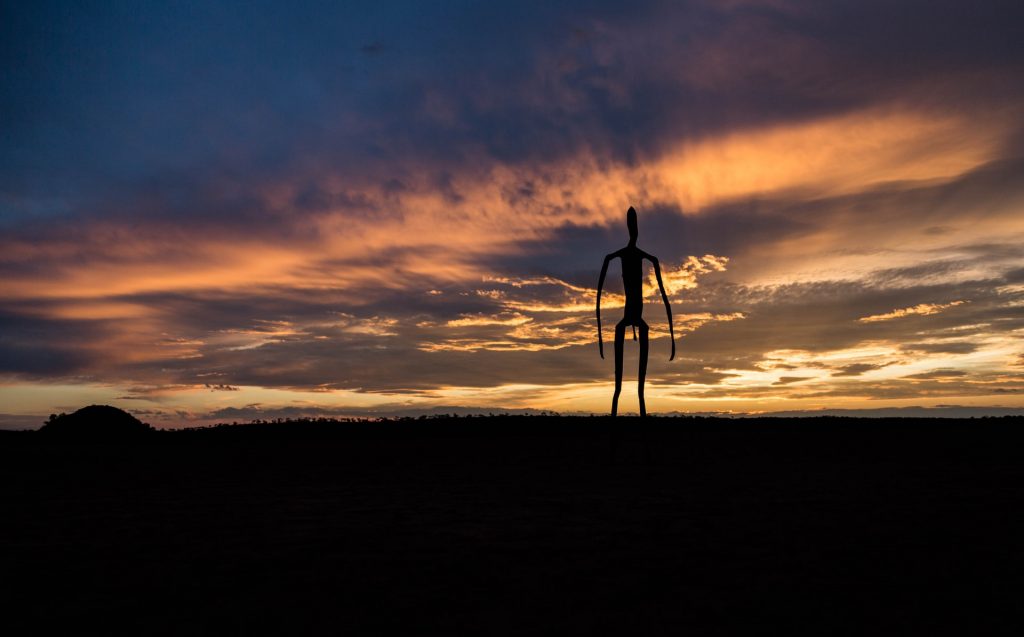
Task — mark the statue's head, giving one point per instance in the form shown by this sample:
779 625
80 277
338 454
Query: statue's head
631 223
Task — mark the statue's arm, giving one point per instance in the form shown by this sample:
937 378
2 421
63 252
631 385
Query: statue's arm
600 285
668 308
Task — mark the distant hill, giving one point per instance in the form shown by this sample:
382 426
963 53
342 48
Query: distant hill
96 422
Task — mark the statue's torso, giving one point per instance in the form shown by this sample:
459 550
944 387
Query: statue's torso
633 281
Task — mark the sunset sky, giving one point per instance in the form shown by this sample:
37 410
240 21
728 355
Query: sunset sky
224 211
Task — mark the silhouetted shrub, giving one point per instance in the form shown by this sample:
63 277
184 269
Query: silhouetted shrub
96 422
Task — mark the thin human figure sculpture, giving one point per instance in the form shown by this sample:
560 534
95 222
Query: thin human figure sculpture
632 283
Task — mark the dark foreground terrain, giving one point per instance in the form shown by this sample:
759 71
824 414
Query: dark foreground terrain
520 525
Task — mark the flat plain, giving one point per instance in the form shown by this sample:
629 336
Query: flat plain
512 525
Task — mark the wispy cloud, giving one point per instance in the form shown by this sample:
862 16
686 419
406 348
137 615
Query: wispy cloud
923 309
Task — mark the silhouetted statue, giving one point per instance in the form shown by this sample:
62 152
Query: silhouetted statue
632 283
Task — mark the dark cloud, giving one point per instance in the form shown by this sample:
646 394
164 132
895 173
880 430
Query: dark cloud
856 369
162 100
1014 276
786 380
38 348
938 374
953 347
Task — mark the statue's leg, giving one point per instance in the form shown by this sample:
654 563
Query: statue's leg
620 338
643 366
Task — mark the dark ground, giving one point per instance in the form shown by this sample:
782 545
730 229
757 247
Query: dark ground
520 525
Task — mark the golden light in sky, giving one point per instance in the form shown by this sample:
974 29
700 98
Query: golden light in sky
839 225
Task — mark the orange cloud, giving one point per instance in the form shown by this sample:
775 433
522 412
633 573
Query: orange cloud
922 309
